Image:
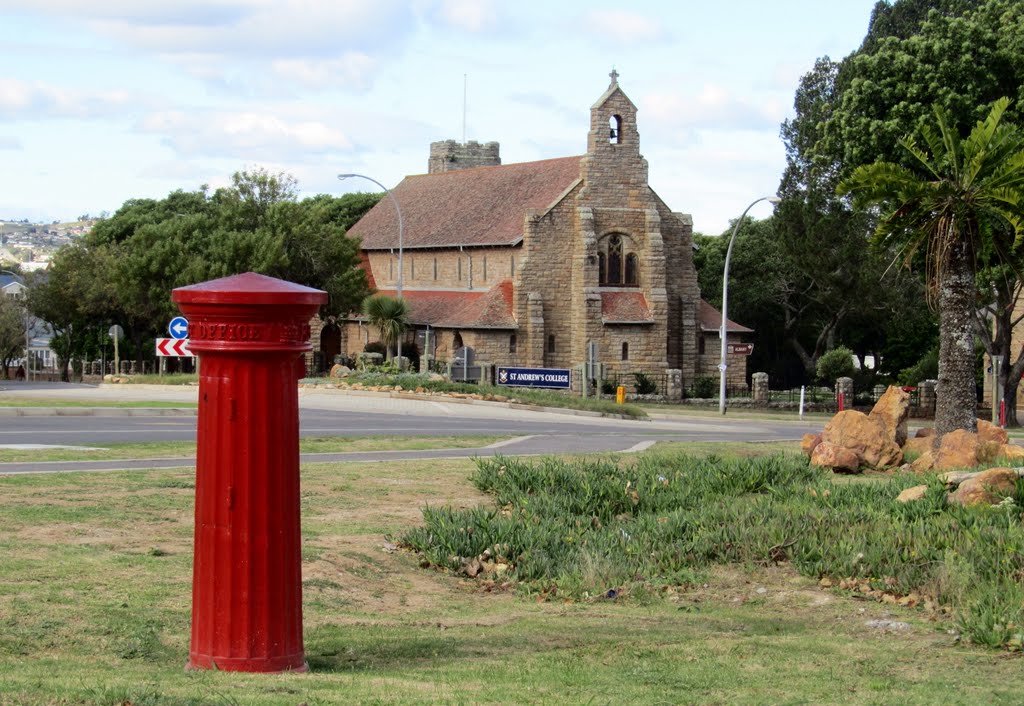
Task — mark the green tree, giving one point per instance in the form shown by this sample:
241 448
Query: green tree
318 253
960 203
256 224
12 331
73 297
958 54
835 364
389 315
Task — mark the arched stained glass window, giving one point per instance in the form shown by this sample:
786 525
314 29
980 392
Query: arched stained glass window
631 269
614 260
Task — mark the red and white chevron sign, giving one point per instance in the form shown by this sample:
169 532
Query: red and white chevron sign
172 347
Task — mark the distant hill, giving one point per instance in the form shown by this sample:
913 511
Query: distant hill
24 242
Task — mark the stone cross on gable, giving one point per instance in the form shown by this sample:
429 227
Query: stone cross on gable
615 76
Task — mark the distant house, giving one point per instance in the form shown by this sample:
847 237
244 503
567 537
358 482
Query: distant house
532 264
12 285
38 332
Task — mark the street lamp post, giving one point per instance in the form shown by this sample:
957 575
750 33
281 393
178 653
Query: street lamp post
401 233
722 364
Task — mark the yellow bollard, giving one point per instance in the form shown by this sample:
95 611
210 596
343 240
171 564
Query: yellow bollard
620 395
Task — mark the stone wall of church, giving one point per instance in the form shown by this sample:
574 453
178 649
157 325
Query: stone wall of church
449 155
707 363
445 268
546 273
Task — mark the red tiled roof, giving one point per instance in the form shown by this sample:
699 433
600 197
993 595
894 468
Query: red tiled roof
480 309
625 308
711 320
480 206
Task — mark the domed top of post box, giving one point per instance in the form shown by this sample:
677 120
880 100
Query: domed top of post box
248 288
248 313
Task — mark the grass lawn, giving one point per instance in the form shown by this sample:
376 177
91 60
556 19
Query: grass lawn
95 600
187 449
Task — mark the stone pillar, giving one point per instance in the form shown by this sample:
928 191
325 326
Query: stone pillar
759 388
674 388
844 387
926 399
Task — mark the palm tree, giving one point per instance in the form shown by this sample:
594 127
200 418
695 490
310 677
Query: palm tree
960 204
389 315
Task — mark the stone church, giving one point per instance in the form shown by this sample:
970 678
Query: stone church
529 263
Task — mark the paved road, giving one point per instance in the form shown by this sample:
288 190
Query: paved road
333 413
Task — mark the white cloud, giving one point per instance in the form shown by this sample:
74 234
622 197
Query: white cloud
235 44
349 71
470 15
34 99
245 135
712 107
623 27
253 27
11 143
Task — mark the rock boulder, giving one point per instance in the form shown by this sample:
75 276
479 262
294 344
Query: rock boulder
987 431
892 410
987 488
808 443
918 446
340 371
866 437
838 458
957 449
912 494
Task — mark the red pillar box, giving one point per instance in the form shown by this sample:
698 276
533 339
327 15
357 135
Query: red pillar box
250 332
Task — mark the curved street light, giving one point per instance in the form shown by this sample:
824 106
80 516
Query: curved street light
722 364
401 234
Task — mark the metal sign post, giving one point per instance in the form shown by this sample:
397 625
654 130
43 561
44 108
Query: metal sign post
116 332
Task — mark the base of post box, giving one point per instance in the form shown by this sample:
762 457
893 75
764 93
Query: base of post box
291 663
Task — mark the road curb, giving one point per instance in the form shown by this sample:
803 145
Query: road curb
98 411
445 399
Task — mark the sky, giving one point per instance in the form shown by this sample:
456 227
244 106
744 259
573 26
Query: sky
110 100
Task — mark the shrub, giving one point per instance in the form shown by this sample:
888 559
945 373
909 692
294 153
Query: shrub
927 368
588 527
375 347
608 387
644 384
837 363
704 388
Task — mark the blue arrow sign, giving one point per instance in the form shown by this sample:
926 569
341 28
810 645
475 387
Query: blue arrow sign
178 328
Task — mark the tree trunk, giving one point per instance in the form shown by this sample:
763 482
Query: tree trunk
1010 390
956 396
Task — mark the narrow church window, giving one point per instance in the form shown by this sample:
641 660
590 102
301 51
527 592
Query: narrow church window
435 268
700 345
625 350
485 268
602 269
551 343
615 129
512 267
460 269
391 268
512 343
412 266
614 260
631 277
